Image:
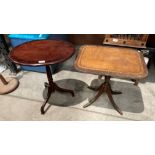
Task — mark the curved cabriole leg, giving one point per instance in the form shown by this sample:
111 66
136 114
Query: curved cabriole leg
109 93
45 102
101 90
105 87
52 87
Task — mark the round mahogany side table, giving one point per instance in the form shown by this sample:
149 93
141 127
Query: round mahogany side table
44 53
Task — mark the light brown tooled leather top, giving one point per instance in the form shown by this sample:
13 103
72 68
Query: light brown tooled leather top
111 61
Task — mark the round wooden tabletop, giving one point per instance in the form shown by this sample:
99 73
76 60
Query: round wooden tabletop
42 52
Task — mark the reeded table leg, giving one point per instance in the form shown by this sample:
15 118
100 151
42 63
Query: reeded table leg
52 87
47 98
100 92
105 88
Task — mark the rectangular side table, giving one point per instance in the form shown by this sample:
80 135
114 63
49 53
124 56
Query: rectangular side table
111 62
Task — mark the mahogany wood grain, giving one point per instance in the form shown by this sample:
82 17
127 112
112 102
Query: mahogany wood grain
42 52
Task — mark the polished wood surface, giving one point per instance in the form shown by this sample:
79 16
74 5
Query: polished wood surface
111 61
41 52
44 52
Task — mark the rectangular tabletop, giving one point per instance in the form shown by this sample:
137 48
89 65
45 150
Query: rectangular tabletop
111 61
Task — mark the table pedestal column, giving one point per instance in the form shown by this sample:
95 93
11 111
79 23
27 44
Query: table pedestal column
134 80
52 87
105 88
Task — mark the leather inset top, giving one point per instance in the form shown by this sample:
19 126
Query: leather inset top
111 61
